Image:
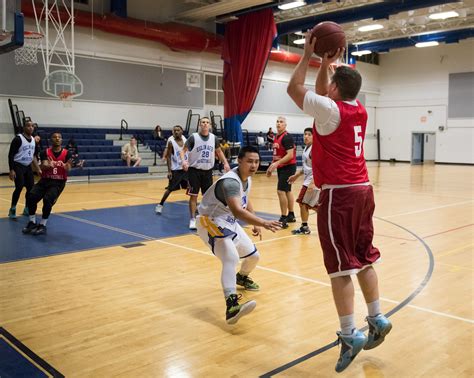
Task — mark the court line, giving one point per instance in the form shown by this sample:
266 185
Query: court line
452 229
301 278
428 209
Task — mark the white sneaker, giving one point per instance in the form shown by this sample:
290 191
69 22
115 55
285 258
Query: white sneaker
192 224
158 209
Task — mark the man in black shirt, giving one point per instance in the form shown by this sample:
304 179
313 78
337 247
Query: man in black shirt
21 157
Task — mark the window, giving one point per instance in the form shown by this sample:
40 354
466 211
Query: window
214 95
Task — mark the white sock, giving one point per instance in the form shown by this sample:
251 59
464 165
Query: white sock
43 222
374 308
33 218
347 324
228 292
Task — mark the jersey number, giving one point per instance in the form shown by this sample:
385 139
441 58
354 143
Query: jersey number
55 171
205 154
358 140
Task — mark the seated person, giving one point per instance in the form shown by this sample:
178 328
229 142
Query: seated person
260 140
130 153
158 133
71 146
225 148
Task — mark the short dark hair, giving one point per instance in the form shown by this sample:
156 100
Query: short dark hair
308 129
248 149
348 81
55 132
178 126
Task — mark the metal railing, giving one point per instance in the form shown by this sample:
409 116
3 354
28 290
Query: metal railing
189 120
123 126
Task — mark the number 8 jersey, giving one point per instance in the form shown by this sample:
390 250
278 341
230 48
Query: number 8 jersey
58 171
338 158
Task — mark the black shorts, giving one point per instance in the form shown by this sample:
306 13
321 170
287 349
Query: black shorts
198 179
24 176
179 180
47 189
284 174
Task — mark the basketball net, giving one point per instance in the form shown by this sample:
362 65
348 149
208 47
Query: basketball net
28 54
66 99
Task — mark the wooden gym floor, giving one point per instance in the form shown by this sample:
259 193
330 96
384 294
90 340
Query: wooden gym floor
156 309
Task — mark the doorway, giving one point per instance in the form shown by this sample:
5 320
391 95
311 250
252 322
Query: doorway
423 148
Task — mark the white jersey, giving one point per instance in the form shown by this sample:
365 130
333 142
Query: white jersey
176 162
203 154
26 152
307 166
211 207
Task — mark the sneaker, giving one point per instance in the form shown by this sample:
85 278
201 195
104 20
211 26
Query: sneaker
246 282
40 230
290 218
12 213
192 224
379 327
351 345
26 213
283 222
303 230
235 310
158 209
30 227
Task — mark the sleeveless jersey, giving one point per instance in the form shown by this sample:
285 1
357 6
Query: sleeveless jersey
26 152
176 162
58 171
339 156
279 151
210 205
307 166
203 154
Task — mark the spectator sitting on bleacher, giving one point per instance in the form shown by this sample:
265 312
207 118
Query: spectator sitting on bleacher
158 133
71 146
260 140
130 153
225 148
270 139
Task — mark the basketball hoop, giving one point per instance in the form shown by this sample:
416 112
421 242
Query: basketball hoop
66 98
27 55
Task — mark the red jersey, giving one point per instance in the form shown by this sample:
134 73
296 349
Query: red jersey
338 158
279 150
58 171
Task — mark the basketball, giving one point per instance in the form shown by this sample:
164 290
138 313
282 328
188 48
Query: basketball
330 37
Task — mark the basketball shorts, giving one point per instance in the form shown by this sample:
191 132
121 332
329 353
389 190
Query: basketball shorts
284 174
198 179
47 189
179 180
212 230
346 230
309 198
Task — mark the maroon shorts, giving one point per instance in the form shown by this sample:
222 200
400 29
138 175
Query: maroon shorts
346 230
300 198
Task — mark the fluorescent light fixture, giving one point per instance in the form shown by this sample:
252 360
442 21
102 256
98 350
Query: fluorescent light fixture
299 41
291 5
443 15
300 33
361 52
427 44
367 28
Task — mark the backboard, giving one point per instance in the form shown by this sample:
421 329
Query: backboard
11 25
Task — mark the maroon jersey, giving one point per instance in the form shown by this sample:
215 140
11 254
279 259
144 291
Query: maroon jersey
58 170
279 150
339 156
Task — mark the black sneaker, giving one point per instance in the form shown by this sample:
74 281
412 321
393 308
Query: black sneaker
290 218
235 310
284 223
246 282
40 230
303 230
30 227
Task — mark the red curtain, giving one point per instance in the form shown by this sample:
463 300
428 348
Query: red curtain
247 45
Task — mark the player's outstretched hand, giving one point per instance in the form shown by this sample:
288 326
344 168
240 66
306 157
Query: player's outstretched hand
272 226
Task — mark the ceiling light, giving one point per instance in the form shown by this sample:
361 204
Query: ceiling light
291 5
361 52
443 15
299 41
300 33
427 44
367 28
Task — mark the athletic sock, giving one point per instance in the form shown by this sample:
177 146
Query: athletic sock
347 324
43 222
291 213
304 224
33 218
374 308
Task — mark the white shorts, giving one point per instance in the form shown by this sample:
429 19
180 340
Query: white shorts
210 229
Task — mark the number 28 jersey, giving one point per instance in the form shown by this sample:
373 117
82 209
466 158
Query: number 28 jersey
203 154
338 158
